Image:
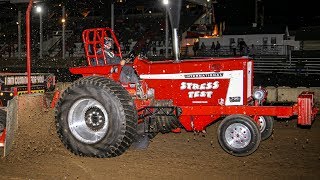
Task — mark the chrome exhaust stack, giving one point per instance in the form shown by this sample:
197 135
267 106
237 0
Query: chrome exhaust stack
176 44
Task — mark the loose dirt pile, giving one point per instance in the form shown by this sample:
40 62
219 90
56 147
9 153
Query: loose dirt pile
36 133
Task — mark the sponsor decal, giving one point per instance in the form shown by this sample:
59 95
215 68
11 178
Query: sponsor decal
19 80
199 90
203 75
235 99
221 101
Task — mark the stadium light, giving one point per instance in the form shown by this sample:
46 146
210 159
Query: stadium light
39 11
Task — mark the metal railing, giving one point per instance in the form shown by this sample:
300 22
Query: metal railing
267 59
258 50
284 65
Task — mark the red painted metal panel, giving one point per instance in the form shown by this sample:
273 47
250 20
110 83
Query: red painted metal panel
107 71
198 117
197 123
196 82
189 65
282 111
15 91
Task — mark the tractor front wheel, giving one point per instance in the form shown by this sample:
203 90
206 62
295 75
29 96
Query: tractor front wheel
239 135
265 126
96 117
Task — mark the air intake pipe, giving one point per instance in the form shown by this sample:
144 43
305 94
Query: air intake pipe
176 44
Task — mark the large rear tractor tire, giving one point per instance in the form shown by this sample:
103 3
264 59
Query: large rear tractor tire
239 135
266 126
96 117
3 119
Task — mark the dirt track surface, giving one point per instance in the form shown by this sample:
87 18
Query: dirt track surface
291 152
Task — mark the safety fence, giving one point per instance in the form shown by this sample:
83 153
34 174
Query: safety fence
287 65
256 50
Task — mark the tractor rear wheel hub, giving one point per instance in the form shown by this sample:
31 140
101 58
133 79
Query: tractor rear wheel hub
88 120
94 118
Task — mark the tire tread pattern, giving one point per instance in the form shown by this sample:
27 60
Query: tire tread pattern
127 126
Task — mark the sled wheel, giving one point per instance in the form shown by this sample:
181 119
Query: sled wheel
3 119
239 135
96 117
266 126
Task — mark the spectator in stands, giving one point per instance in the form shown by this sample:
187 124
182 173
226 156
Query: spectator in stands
154 49
128 74
233 48
242 47
252 51
218 46
300 67
203 46
195 48
161 52
213 46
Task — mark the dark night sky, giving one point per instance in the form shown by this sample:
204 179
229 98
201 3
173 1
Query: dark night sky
293 13
238 12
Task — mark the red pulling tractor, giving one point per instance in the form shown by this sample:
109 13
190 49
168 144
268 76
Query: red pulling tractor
99 116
